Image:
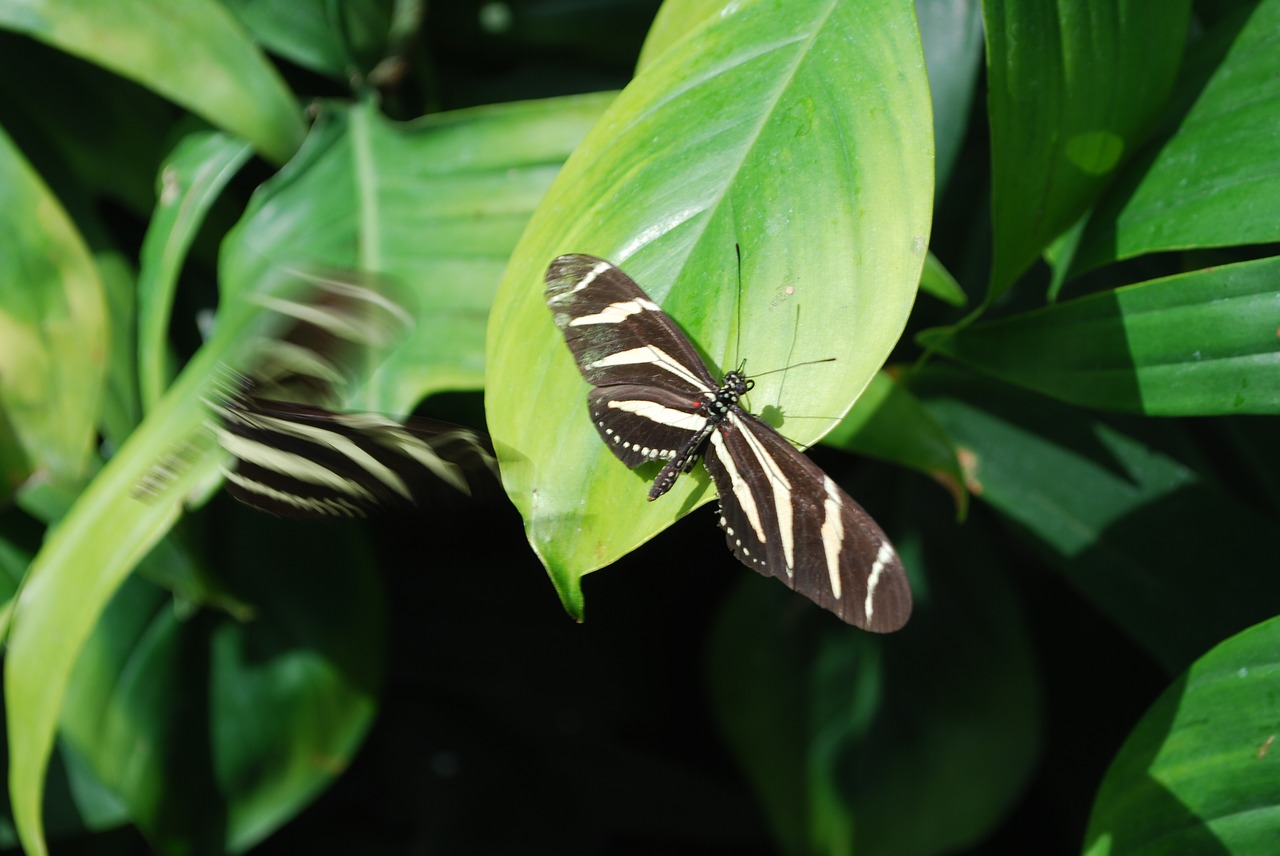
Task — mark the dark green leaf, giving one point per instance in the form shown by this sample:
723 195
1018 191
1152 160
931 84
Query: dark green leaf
1200 772
936 280
242 721
858 743
1075 87
1201 344
1130 523
951 31
1213 182
334 39
889 423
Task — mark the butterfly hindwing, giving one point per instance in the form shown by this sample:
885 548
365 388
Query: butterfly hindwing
297 461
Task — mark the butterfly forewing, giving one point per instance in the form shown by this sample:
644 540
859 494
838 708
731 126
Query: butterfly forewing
655 399
616 333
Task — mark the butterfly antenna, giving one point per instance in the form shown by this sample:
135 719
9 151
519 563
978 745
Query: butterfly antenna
737 327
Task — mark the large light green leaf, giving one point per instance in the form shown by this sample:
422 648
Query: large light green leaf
1074 87
1120 509
1214 182
1200 344
799 132
673 22
53 326
438 204
190 51
1199 773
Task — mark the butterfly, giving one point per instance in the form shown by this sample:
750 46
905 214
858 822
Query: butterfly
653 398
293 451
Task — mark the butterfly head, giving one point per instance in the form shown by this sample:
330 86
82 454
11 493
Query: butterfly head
736 385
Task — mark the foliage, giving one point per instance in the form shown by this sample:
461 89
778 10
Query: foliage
1089 380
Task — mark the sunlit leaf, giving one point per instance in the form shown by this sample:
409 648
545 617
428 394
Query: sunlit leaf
191 178
130 504
52 326
799 133
190 51
437 204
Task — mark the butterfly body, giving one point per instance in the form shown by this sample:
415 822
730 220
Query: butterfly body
654 399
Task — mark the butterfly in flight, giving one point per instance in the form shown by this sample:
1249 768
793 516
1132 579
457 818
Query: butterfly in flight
293 452
654 399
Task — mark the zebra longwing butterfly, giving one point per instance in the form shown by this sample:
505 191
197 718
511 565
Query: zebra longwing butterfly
654 399
294 456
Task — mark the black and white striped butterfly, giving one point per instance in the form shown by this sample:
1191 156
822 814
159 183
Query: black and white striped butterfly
294 454
654 399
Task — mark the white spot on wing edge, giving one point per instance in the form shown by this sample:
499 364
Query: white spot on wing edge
832 533
884 556
779 489
741 491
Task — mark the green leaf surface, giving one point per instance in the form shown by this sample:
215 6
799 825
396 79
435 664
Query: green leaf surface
190 51
1215 181
672 23
437 204
891 424
67 120
862 744
215 731
1200 344
800 133
53 326
110 527
191 178
1075 86
937 281
121 407
1201 773
333 39
1120 510
951 32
